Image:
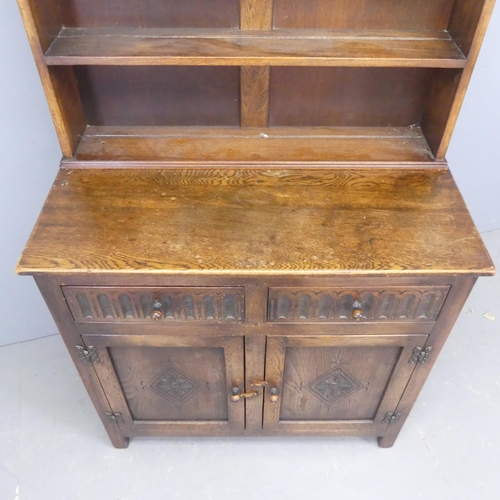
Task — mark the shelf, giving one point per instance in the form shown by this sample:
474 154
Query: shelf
155 46
275 144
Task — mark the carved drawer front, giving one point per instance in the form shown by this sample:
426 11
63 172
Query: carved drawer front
203 304
296 305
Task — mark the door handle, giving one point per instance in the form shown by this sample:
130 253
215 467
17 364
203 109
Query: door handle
236 394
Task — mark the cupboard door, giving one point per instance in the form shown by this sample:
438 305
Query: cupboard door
169 385
336 384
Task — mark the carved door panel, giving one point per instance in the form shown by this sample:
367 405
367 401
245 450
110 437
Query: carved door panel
172 384
336 384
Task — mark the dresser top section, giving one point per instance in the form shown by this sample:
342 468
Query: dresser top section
365 221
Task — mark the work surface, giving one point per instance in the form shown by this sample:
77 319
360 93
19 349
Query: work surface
242 221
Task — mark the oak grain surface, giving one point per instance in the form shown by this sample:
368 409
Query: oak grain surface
363 14
359 221
253 144
150 13
140 46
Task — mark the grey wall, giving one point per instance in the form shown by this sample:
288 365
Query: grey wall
474 154
29 158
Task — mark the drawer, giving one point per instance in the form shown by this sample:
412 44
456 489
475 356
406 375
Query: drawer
130 304
327 305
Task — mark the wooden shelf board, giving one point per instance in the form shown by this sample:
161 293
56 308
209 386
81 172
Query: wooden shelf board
386 144
144 46
255 222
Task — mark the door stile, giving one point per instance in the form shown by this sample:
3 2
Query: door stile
114 392
398 381
275 367
235 377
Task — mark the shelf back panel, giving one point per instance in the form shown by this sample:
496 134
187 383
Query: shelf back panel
161 95
371 97
363 14
150 13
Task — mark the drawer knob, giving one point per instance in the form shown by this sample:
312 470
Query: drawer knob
274 395
237 395
156 315
357 312
157 312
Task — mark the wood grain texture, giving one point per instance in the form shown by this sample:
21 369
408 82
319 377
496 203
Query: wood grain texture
352 97
311 375
255 349
363 14
41 20
167 304
459 293
471 37
256 14
150 13
56 303
255 96
129 46
276 144
464 21
270 329
328 382
438 106
139 96
365 221
328 305
175 381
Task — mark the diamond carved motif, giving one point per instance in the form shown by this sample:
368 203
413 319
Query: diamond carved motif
334 386
174 386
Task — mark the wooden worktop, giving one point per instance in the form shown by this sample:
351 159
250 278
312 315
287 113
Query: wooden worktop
378 221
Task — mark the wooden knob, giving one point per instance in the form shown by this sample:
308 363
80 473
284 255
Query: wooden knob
157 312
274 395
357 312
235 394
156 315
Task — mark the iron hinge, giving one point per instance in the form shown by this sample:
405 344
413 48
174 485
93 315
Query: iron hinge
391 418
88 353
115 418
420 355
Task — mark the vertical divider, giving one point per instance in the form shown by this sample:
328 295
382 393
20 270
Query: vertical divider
255 96
254 80
256 14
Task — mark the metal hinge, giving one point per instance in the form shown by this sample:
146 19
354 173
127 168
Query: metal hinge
88 353
391 418
420 355
115 418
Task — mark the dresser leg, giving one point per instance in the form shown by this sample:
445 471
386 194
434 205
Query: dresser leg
51 291
120 442
387 441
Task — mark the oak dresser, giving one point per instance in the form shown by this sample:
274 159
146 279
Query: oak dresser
254 230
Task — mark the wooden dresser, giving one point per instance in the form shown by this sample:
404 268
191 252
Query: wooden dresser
254 230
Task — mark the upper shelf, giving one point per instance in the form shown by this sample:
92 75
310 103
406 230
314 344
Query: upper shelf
231 47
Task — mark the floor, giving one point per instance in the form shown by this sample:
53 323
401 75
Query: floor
52 445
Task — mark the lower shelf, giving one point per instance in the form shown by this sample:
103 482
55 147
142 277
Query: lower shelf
275 144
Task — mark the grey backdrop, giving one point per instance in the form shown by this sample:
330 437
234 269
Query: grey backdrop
29 159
